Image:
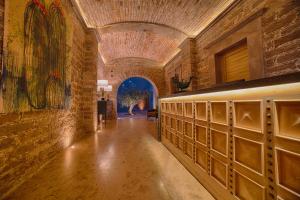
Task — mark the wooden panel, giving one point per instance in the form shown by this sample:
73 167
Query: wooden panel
174 139
248 115
173 108
168 107
173 123
288 119
201 134
179 126
200 111
163 131
249 154
162 106
168 135
201 158
288 170
219 171
180 143
168 123
188 149
188 109
188 129
247 189
219 141
257 164
219 112
234 63
179 108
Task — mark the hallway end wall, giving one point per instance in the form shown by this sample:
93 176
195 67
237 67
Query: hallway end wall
116 74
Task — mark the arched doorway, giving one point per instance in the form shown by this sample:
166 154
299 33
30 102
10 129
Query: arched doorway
135 96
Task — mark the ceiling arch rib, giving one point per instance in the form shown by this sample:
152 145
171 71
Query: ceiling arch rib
159 29
133 61
137 43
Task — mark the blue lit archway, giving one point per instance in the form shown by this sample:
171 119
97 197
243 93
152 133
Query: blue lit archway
140 84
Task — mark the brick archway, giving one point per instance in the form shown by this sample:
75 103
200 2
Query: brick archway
117 75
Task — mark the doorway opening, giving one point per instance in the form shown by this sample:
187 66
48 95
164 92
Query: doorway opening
136 96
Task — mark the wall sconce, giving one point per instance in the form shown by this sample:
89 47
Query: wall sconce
102 83
108 88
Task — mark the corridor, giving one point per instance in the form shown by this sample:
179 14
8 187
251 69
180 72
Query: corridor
123 162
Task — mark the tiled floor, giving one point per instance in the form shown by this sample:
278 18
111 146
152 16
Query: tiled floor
122 162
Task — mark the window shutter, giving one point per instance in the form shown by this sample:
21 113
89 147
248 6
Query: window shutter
234 63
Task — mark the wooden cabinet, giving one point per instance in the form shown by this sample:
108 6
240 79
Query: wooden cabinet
241 146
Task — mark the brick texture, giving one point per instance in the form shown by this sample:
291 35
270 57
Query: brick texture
281 39
29 140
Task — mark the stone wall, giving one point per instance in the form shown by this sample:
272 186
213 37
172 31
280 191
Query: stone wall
276 45
29 140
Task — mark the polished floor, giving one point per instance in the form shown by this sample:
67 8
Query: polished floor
122 162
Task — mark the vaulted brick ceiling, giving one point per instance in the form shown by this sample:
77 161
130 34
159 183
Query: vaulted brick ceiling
147 29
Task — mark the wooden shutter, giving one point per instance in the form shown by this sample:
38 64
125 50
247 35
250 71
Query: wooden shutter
234 63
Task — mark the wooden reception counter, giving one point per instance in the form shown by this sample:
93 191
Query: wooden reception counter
241 141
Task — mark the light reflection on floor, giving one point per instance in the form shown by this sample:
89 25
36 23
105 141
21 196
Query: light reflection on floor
124 161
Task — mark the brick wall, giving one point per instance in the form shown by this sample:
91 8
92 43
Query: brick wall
280 37
29 140
183 64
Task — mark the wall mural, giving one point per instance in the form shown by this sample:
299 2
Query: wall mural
35 72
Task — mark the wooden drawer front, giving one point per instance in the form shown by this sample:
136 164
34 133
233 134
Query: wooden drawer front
201 158
179 109
245 188
219 142
201 134
179 126
174 139
180 143
201 111
173 123
188 109
249 154
219 112
189 149
248 115
288 171
188 129
218 170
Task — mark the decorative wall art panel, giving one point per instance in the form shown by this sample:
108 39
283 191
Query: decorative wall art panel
36 65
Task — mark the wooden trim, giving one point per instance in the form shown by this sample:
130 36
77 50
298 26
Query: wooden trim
275 80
